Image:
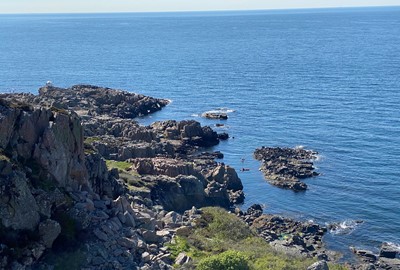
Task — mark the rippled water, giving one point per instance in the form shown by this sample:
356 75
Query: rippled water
325 79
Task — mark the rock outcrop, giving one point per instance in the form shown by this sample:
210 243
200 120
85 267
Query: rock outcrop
215 115
284 167
288 235
387 258
94 101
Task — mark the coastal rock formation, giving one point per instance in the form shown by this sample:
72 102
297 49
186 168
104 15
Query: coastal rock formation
387 258
284 167
49 142
94 101
60 197
288 235
188 131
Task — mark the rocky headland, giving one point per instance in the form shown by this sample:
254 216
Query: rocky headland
78 173
84 186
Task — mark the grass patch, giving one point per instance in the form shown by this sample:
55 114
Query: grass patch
129 176
120 165
221 240
228 260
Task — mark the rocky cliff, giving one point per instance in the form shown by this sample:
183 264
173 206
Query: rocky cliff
78 176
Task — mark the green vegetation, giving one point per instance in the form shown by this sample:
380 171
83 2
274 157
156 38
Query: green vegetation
129 176
221 240
90 140
228 260
120 165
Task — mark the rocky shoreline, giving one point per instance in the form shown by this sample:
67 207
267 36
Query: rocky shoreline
80 178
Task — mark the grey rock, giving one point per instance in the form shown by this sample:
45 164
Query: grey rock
389 251
127 242
101 235
150 236
215 115
320 265
18 207
38 250
49 230
129 220
145 257
182 258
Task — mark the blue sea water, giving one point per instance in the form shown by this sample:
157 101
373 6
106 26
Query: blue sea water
325 79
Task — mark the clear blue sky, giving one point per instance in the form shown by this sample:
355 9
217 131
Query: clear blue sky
49 6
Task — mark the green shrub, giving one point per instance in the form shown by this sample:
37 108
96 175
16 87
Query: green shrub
221 240
224 225
228 260
179 245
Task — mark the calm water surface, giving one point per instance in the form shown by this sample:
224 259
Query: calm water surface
324 79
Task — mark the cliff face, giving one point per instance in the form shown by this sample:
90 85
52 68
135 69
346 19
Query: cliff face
39 147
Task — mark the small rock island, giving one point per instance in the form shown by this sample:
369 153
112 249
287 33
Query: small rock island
284 167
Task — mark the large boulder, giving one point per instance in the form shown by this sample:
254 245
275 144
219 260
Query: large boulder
165 166
226 175
320 265
179 193
188 130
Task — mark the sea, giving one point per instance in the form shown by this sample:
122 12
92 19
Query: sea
323 79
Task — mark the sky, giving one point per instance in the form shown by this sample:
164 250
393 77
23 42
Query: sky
83 6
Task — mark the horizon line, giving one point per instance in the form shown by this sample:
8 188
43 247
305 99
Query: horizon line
200 11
